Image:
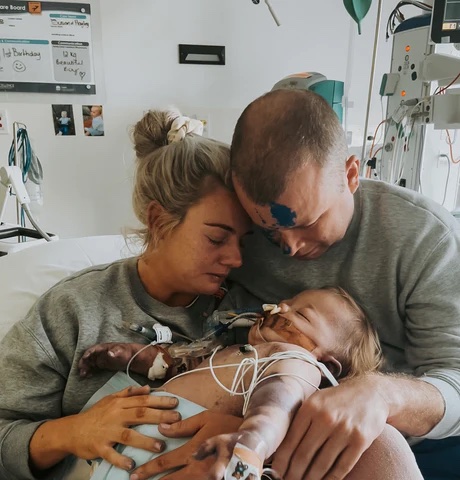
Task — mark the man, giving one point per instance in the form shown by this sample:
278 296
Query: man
395 251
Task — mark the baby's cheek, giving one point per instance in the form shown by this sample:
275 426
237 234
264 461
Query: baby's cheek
265 334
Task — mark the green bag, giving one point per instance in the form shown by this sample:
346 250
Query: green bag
358 10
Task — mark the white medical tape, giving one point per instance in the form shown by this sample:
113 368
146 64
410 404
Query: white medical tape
244 464
271 307
158 369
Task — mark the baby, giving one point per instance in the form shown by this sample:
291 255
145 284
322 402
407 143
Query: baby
313 329
97 125
64 123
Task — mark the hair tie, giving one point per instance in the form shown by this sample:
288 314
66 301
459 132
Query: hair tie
183 126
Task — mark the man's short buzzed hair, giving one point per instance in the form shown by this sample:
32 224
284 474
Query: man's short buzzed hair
280 132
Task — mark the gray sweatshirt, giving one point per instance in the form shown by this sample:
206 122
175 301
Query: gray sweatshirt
400 259
39 356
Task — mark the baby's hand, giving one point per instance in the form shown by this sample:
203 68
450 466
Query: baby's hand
233 456
115 357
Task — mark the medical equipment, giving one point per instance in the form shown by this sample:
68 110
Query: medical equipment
417 147
11 183
330 90
445 27
23 165
158 333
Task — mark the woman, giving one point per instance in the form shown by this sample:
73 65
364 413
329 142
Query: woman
192 230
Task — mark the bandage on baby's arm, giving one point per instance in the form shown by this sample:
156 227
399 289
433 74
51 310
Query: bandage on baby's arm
244 464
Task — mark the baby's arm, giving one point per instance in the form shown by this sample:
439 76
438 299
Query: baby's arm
149 360
271 409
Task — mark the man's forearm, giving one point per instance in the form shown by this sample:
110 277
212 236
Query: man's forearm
415 406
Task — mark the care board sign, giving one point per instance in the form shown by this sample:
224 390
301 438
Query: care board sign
46 47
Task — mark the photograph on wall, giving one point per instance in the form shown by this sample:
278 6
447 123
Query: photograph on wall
93 120
64 123
46 47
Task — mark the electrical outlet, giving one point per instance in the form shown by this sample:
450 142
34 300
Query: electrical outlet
4 124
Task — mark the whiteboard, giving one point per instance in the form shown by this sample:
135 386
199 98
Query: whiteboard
46 47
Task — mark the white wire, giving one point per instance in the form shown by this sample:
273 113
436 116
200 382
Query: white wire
252 362
35 224
269 471
447 178
388 123
136 354
408 118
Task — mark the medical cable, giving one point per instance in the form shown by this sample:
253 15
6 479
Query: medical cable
401 160
28 162
269 471
450 143
396 14
442 90
220 328
31 170
253 362
35 224
163 334
151 344
447 178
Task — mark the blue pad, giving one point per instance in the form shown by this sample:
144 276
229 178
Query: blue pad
106 471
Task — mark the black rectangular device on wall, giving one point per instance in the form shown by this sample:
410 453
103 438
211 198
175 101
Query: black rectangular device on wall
202 54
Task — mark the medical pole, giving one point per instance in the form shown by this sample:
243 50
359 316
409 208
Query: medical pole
371 79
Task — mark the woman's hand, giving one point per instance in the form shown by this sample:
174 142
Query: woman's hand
202 427
107 423
93 433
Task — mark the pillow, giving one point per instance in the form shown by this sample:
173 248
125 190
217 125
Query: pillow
27 274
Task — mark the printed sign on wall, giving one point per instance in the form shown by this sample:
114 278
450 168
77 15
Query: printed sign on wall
46 47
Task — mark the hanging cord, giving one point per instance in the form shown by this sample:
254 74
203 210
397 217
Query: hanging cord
31 169
28 162
397 17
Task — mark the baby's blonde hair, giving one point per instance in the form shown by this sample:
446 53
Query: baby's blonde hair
360 351
175 176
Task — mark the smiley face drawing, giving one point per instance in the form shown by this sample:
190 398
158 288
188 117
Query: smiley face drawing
18 66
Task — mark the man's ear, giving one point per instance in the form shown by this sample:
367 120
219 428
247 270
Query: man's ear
352 172
332 364
154 210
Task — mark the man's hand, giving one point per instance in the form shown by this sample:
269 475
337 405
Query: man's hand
202 426
331 430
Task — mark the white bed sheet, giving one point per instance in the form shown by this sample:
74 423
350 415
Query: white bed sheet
27 274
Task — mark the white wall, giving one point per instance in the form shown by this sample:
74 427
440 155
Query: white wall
88 179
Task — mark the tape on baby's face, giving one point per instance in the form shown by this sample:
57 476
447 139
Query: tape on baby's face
284 328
